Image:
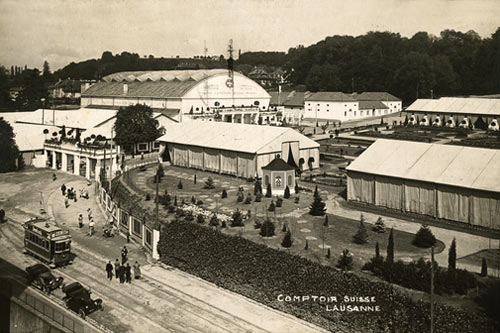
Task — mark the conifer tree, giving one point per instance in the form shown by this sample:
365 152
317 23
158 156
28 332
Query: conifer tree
297 188
268 191
361 236
379 226
307 245
257 187
325 224
328 253
317 207
287 240
452 256
390 247
237 220
286 195
484 268
377 251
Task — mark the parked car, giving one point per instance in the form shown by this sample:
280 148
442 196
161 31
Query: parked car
41 277
78 299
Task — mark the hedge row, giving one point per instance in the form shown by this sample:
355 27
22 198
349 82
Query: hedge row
263 273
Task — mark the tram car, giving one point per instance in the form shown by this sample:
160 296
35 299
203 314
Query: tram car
47 242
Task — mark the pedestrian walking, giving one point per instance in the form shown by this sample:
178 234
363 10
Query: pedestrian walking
54 177
91 227
89 214
117 268
137 270
128 273
124 255
80 221
63 189
121 273
66 203
109 270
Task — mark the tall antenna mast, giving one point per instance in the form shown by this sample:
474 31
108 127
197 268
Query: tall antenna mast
230 67
205 81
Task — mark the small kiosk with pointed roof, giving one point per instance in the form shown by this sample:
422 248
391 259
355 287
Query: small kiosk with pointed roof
280 175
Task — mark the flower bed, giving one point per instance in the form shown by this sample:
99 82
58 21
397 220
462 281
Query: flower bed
263 273
207 214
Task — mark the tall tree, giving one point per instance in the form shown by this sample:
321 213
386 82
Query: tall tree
46 69
135 124
9 152
452 256
390 247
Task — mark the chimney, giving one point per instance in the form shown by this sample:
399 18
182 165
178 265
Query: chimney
125 88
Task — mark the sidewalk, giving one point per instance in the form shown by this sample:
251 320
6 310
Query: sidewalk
466 243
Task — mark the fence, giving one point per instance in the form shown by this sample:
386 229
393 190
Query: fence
133 226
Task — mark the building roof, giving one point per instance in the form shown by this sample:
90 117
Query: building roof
83 118
369 105
376 96
67 85
330 96
30 137
459 105
469 167
278 164
289 98
167 75
254 139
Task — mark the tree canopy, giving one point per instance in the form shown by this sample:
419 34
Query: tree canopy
8 149
135 124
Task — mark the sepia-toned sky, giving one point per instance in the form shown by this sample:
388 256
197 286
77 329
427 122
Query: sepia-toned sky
62 31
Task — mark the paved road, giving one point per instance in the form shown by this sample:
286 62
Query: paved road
165 300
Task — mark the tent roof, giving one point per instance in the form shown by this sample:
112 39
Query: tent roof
277 165
255 139
459 105
470 167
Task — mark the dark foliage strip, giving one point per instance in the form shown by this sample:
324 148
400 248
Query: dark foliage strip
262 273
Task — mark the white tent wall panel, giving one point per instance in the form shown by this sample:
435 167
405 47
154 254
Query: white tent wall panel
360 187
420 197
229 163
453 203
308 153
212 159
486 210
195 157
180 155
389 192
246 165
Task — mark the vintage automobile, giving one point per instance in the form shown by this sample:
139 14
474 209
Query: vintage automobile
40 276
77 299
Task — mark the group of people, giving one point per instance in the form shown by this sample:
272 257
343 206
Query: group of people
68 194
91 222
123 270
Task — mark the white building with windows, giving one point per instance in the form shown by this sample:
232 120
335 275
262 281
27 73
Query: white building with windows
182 94
344 107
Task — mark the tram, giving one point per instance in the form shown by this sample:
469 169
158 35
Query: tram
47 242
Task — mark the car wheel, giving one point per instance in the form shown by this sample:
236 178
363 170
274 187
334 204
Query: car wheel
82 313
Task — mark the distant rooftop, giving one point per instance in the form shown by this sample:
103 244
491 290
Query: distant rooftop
326 96
375 96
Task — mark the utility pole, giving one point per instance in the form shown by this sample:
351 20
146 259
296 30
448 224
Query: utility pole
432 94
111 157
432 289
157 178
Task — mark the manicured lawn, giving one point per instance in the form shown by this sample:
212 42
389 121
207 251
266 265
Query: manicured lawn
338 235
492 257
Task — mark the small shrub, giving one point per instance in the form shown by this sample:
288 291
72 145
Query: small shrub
200 219
258 197
267 228
257 224
223 225
193 200
268 191
361 236
248 199
379 226
390 247
345 261
148 197
286 195
283 229
240 196
2 215
224 194
279 202
257 189
307 245
297 199
484 268
214 221
237 220
250 179
189 216
199 202
179 186
249 214
424 237
175 201
271 207
209 184
171 209
297 189
317 207
287 240
328 253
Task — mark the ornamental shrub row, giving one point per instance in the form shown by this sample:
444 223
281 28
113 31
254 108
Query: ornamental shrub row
262 273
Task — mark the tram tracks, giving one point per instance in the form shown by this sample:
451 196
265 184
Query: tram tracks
200 317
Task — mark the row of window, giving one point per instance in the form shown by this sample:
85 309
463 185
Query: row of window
278 181
37 240
60 247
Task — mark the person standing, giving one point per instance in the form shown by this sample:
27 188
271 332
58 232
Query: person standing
117 269
121 273
124 255
89 213
66 203
91 227
137 270
80 221
63 189
109 270
128 274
